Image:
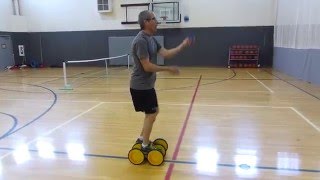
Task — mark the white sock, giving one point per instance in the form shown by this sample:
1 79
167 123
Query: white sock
141 138
143 145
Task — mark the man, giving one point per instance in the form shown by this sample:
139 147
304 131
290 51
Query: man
144 49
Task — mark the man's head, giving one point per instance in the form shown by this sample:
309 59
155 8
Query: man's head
147 21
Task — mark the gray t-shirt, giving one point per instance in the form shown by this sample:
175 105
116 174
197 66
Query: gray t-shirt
143 46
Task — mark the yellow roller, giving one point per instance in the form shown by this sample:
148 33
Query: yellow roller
155 158
136 146
136 156
161 142
161 149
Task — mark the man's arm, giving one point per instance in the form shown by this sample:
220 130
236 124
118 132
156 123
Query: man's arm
169 53
150 67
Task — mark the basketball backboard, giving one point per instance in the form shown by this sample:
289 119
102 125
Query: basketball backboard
166 12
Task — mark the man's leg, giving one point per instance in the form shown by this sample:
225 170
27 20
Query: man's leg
137 99
140 138
147 127
141 134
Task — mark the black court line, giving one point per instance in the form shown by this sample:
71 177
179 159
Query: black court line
38 117
15 123
242 166
57 78
202 84
294 85
13 90
88 81
167 78
159 90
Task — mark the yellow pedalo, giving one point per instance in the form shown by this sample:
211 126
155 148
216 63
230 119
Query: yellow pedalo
155 157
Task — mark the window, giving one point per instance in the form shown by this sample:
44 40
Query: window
104 6
16 7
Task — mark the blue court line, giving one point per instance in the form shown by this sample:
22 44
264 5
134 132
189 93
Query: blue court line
242 166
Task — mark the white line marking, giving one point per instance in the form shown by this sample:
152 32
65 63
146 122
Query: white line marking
171 90
240 105
306 119
54 129
217 105
170 104
209 105
217 91
261 83
212 105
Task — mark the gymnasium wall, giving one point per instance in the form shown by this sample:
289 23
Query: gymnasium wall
297 39
10 22
73 29
82 15
5 15
211 48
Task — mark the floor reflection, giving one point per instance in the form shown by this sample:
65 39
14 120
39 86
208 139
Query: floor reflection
288 161
207 160
245 163
21 154
76 151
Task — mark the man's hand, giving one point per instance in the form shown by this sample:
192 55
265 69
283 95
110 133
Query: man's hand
174 70
188 41
172 52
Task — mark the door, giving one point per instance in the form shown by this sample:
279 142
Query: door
6 53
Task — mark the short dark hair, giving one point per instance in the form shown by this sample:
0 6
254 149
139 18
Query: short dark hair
143 15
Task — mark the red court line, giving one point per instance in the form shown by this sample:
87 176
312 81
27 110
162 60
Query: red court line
176 151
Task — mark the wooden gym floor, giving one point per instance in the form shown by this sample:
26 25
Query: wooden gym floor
220 124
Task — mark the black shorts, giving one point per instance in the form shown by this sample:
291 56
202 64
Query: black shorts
144 100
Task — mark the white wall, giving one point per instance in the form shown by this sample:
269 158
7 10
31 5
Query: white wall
9 22
217 13
82 15
298 25
299 12
5 12
69 15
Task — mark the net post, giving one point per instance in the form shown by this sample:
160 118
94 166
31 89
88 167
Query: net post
128 61
66 85
106 61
